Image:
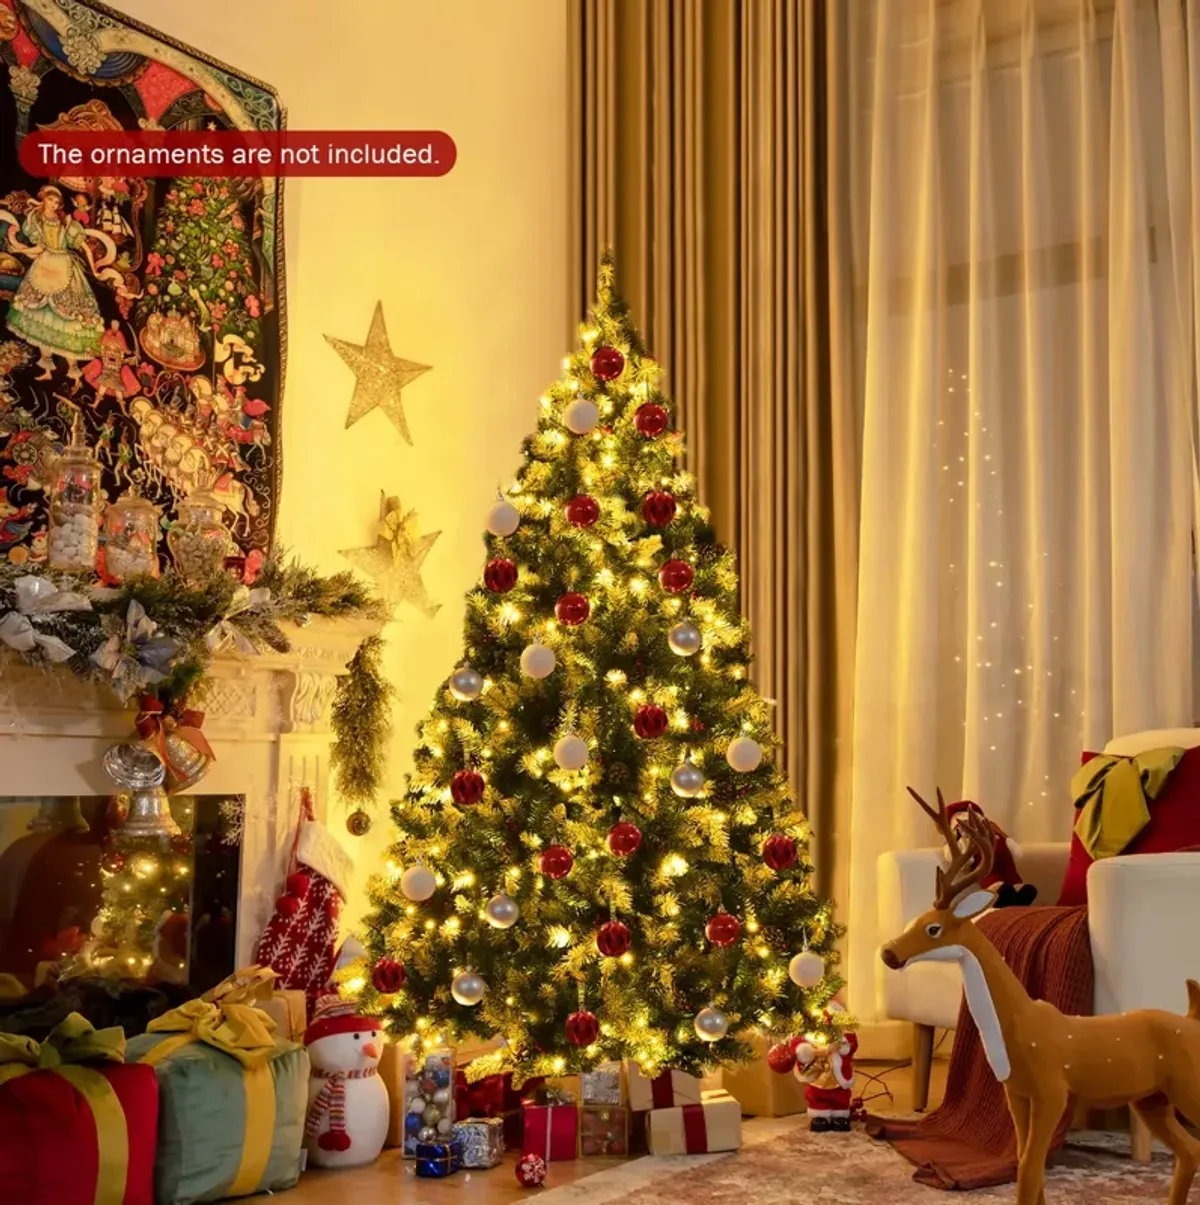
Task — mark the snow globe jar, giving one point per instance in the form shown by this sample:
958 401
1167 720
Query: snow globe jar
74 520
131 538
199 540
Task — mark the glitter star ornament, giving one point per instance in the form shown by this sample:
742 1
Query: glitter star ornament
394 561
379 375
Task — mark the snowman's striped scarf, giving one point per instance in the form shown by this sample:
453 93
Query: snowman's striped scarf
331 1100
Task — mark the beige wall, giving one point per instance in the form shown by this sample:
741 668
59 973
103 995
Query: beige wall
472 271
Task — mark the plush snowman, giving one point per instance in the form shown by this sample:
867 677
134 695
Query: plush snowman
347 1117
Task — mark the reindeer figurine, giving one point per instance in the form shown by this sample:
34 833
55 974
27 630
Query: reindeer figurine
1149 1060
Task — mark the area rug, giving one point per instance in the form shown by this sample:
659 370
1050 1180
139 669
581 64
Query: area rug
790 1165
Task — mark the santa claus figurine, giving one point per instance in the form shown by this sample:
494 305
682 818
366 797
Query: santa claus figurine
1004 877
828 1078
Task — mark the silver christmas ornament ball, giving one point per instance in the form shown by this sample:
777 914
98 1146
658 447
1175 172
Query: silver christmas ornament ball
503 519
441 1097
570 753
538 661
687 780
744 754
502 911
417 883
806 969
581 416
468 988
427 1133
417 1104
711 1024
466 684
444 1126
684 638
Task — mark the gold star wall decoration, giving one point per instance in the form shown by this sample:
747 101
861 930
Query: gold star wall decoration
394 561
379 375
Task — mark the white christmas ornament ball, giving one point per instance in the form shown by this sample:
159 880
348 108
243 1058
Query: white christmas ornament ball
418 883
445 1126
417 1104
711 1024
570 753
684 638
502 911
807 969
687 780
466 684
538 661
744 754
581 416
467 988
503 519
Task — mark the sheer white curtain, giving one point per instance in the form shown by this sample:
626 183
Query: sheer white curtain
1025 177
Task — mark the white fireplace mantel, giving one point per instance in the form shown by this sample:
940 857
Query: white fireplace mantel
267 718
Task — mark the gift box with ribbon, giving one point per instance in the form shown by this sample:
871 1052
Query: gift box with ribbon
77 1123
664 1091
550 1125
715 1124
493 1096
437 1160
604 1086
604 1130
481 1141
233 1096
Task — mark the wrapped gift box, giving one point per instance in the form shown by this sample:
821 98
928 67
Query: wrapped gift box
289 1011
494 1096
82 1131
760 1091
665 1090
715 1124
481 1140
604 1130
604 1086
551 1129
232 1102
437 1160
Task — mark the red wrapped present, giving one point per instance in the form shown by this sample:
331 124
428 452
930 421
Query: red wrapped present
551 1130
493 1096
78 1126
713 1125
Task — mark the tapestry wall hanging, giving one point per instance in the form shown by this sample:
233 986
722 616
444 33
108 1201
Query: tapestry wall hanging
151 308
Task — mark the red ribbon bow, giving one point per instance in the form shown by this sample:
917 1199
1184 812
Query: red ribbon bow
155 720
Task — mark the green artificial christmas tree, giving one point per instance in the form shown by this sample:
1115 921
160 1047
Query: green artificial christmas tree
597 856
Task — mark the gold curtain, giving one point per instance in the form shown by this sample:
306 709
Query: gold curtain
710 151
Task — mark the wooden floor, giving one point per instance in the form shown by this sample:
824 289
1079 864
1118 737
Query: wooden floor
390 1180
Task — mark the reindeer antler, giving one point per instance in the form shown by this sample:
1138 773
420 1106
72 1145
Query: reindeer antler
971 862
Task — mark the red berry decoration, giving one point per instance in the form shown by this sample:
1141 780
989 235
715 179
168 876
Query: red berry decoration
572 609
651 420
723 929
500 575
612 939
583 510
582 1028
658 508
781 1057
779 851
607 364
649 721
557 861
676 576
467 786
297 884
624 838
531 1170
388 976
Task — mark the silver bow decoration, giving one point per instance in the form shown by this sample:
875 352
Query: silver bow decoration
225 633
36 597
134 655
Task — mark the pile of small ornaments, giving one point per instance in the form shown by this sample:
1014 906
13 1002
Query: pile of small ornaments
429 1101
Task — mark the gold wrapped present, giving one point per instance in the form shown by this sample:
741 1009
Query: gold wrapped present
715 1124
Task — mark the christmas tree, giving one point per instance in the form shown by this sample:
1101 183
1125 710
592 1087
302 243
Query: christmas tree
597 856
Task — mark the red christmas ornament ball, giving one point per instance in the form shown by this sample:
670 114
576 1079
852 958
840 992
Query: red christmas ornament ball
388 976
467 786
531 1170
676 576
583 510
572 609
612 939
582 1028
658 508
624 838
287 905
297 884
649 721
607 363
557 861
781 1057
651 420
779 851
723 929
500 575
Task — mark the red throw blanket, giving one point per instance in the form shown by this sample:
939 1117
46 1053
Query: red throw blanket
969 1142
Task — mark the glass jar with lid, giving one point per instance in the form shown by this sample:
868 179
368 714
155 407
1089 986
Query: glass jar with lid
199 540
131 537
74 516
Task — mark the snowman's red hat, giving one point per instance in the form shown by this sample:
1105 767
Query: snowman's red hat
337 1017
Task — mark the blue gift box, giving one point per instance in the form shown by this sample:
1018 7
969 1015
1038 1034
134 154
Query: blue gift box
436 1160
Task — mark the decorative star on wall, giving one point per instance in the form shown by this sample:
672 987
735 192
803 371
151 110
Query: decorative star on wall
379 375
394 561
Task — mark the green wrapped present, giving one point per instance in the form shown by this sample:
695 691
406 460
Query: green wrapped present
233 1100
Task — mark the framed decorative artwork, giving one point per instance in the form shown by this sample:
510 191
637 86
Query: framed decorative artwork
151 308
